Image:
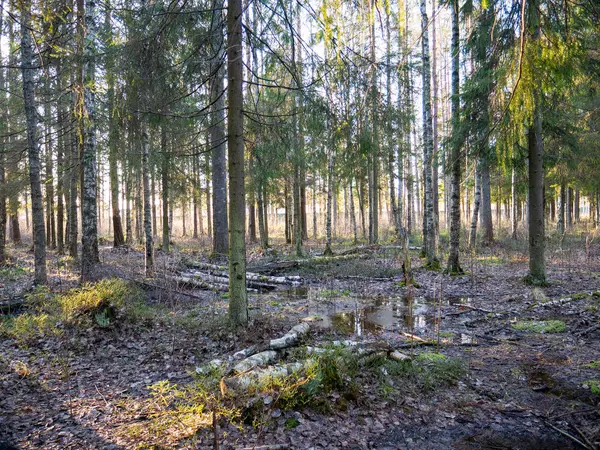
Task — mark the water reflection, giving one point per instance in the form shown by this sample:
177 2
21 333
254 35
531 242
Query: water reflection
372 314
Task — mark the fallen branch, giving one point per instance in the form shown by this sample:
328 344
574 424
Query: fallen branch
412 337
270 447
570 436
589 330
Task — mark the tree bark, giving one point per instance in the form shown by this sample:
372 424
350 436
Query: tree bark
89 208
28 73
149 244
486 202
455 156
165 189
428 213
3 142
328 251
238 300
476 206
535 147
113 154
217 134
560 225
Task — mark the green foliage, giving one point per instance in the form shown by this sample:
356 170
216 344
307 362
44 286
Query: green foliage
540 326
13 273
428 371
593 385
97 304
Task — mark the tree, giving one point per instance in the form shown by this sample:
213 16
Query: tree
217 133
428 214
455 156
37 208
89 223
238 301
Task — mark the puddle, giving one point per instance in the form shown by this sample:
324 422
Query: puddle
348 313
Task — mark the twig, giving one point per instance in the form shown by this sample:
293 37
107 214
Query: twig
585 438
474 308
215 428
570 436
581 411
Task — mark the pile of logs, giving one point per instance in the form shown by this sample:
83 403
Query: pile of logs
255 365
213 277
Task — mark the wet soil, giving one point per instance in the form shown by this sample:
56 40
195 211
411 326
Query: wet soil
522 389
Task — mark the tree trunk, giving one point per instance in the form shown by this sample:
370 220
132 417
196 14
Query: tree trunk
513 197
455 156
560 225
28 73
537 262
328 251
390 145
217 134
434 99
569 208
89 209
149 244
196 207
428 213
49 181
60 169
577 205
165 189
374 166
476 206
3 142
353 213
486 203
238 300
113 151
209 218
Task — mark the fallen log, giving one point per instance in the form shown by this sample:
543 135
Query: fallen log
258 377
275 267
222 278
223 271
291 338
190 281
259 359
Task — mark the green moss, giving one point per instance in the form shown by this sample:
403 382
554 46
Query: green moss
593 385
540 326
97 304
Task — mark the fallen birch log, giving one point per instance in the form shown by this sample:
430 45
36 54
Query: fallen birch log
223 271
258 377
291 338
216 279
259 359
190 281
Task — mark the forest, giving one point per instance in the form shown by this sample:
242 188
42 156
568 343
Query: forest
287 224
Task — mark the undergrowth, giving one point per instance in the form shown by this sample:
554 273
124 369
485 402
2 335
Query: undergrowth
99 304
325 383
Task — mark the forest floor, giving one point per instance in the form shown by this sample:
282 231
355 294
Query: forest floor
506 365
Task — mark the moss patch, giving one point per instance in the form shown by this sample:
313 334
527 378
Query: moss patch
540 326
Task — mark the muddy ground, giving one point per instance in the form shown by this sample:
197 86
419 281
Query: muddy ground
521 389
